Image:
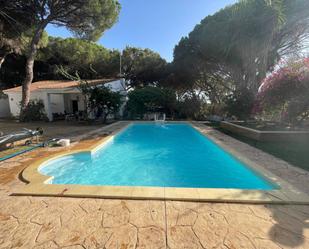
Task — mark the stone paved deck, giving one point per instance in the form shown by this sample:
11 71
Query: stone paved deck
55 222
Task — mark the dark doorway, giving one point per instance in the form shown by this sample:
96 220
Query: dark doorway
75 106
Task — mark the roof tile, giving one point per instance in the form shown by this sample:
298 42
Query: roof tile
57 84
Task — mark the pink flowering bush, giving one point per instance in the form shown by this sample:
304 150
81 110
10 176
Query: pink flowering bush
286 90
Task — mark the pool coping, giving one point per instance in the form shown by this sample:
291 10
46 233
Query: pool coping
286 194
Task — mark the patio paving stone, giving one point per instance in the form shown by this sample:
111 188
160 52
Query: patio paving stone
57 222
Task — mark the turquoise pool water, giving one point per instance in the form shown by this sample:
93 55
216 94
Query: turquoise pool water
171 155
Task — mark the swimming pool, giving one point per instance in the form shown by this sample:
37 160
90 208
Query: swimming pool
156 155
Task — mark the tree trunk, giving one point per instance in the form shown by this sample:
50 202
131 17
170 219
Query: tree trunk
2 58
29 65
27 82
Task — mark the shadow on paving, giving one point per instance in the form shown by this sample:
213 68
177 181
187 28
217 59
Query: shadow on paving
238 225
290 225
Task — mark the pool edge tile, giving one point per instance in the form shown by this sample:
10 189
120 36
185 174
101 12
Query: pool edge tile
181 194
148 193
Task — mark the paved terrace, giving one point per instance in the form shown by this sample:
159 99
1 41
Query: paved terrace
57 222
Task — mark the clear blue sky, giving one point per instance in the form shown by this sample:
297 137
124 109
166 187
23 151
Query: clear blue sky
154 24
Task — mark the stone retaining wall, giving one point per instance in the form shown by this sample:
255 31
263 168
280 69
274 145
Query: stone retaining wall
264 135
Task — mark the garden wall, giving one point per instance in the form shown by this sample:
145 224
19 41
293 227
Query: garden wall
264 135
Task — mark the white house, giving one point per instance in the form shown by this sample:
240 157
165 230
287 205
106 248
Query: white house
60 96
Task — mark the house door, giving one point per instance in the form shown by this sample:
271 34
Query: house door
75 106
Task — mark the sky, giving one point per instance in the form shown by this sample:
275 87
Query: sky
155 24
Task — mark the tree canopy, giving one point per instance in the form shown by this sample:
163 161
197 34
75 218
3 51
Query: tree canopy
87 58
13 27
142 67
239 44
245 40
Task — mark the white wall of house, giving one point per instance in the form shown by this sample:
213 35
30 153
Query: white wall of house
57 103
4 107
15 100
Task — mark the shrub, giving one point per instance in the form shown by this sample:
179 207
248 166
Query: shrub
34 112
151 99
189 108
100 100
286 91
239 103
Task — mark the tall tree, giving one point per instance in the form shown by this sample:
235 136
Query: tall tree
242 42
85 19
142 67
247 39
13 26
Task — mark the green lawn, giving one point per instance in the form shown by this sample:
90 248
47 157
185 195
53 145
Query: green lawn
296 153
